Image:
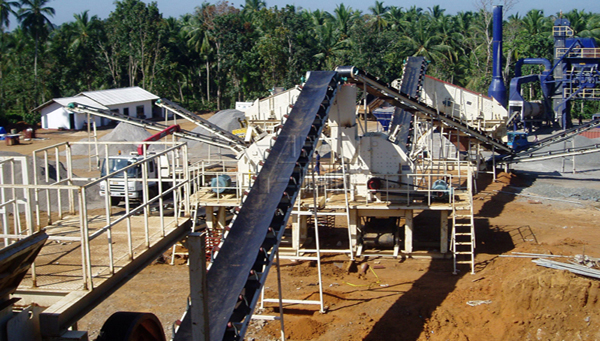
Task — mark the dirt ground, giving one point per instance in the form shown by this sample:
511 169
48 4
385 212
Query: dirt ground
419 299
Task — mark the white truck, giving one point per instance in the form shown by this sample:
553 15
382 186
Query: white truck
134 189
134 178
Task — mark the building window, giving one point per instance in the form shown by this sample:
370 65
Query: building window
140 111
126 111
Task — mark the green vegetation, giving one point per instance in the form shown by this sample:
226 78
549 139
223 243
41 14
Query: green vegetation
220 54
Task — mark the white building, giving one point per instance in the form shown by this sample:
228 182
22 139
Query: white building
134 101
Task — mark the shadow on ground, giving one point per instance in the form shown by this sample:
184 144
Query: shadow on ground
406 318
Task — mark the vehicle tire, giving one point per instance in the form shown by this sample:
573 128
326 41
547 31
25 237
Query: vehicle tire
114 201
132 326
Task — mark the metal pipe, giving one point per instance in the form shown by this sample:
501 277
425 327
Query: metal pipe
497 89
531 61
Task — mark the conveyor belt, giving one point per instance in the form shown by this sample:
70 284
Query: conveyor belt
560 137
243 261
553 154
404 101
222 133
215 141
411 84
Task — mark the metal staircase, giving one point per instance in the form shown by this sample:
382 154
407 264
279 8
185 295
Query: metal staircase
463 232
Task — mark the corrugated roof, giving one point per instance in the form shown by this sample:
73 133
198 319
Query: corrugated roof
119 96
64 101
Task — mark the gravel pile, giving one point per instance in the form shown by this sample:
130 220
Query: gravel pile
584 164
122 132
556 190
225 119
551 182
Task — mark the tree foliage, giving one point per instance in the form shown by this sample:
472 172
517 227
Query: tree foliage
220 54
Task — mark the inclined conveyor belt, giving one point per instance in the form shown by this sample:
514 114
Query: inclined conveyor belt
560 137
241 266
551 154
220 132
404 101
140 122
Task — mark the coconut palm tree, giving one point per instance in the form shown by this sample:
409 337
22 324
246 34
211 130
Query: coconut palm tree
344 17
379 17
33 16
6 9
395 17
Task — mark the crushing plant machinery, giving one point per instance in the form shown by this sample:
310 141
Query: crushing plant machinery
380 172
573 75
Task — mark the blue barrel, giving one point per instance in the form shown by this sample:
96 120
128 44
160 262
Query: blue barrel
220 183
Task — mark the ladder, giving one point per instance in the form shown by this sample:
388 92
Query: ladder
463 232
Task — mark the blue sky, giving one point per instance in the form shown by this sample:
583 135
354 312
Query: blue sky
66 8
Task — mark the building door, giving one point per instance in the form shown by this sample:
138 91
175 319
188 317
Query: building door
71 121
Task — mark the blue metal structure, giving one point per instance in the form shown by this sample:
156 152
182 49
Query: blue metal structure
497 90
573 75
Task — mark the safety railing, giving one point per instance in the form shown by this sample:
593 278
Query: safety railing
77 216
15 212
409 189
428 192
589 93
219 182
565 31
578 52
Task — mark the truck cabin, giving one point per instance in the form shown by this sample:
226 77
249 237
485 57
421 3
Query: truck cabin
517 140
117 163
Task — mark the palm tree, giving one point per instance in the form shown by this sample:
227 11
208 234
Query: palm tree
578 20
425 42
318 17
379 18
395 17
33 17
254 5
534 22
6 9
329 46
83 29
436 13
592 29
83 32
344 17
200 40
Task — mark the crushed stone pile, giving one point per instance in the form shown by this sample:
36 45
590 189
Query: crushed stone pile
583 163
124 132
229 120
552 182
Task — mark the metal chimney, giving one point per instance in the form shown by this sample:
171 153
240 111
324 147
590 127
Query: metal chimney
497 89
